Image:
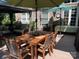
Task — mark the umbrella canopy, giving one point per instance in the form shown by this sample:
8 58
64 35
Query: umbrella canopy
35 4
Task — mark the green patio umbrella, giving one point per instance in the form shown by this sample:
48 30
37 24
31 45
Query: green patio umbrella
61 7
35 4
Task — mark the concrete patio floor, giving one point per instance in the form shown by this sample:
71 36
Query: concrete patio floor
64 49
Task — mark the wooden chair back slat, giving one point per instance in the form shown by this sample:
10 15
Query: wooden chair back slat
48 41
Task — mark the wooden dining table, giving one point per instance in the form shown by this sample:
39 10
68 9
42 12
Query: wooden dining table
33 42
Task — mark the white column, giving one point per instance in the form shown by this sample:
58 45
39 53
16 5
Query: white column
69 18
62 16
77 16
39 22
33 17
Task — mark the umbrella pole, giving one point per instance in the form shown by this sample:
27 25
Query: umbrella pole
36 19
36 14
11 24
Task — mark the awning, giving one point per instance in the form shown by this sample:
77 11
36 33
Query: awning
12 9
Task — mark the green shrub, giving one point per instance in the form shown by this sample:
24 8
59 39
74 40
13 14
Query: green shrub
32 25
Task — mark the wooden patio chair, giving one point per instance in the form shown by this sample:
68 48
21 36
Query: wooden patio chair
46 46
19 50
54 35
12 49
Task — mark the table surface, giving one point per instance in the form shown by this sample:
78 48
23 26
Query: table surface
24 37
38 39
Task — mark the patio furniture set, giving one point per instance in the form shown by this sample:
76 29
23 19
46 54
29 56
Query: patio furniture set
27 44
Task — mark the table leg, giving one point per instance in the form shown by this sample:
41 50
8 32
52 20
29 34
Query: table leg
7 44
35 57
43 53
49 51
32 52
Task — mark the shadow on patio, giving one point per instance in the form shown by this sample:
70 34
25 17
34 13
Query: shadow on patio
66 44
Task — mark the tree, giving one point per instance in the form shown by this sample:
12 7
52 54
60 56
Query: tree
1 17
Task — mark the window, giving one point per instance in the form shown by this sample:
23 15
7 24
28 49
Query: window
73 21
44 17
66 1
23 13
74 0
25 18
73 17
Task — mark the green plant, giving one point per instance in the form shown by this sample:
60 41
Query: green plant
1 17
6 20
32 25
